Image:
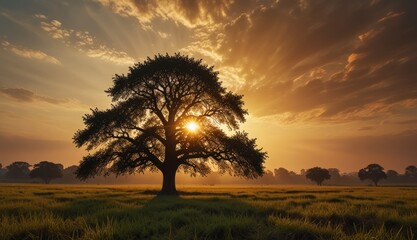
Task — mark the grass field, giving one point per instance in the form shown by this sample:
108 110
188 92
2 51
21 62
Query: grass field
135 212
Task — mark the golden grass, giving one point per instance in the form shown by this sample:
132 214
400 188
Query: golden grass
207 212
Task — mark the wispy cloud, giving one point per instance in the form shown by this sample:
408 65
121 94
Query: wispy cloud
26 96
301 65
23 95
83 41
29 53
366 128
187 13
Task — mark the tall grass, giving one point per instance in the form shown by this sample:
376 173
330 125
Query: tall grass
134 212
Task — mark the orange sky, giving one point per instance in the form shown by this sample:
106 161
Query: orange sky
326 83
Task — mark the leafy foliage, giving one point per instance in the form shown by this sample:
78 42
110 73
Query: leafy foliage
373 172
145 127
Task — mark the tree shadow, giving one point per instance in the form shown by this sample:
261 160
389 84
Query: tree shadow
202 215
216 215
190 215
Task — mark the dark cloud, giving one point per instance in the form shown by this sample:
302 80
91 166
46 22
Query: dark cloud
24 95
345 59
19 94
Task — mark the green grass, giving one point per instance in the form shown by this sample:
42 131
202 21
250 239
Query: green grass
135 212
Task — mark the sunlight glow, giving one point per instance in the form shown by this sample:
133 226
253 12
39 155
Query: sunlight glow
192 126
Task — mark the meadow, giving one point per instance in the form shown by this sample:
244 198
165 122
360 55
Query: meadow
207 212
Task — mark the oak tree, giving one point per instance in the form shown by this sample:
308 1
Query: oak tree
169 114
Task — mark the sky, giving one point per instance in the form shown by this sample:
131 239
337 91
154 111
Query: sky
326 83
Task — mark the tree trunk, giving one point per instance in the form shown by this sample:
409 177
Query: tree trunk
170 164
168 184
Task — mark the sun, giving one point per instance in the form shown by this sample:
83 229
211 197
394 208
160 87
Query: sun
192 126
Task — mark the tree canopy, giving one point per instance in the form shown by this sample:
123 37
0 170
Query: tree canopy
18 170
392 174
373 172
46 171
148 125
411 172
318 175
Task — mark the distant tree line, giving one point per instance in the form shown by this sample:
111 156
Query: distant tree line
22 171
374 174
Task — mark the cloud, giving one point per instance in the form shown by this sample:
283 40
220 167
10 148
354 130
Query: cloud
187 13
163 35
29 53
318 60
26 96
83 41
366 128
305 60
202 19
23 95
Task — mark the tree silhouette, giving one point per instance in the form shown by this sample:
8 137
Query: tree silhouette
2 171
411 172
282 175
70 171
318 175
68 174
373 172
167 115
46 171
18 170
334 175
392 174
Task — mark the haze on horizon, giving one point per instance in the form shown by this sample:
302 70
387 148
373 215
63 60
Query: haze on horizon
327 83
